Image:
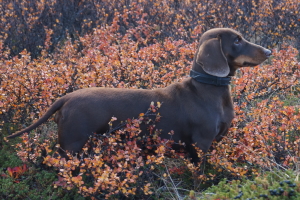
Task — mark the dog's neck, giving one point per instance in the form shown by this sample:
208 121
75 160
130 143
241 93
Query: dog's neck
209 79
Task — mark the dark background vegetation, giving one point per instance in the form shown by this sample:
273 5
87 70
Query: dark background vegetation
23 23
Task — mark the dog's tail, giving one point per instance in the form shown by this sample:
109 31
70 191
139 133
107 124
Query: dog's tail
55 106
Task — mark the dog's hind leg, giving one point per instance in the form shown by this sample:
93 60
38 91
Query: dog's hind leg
73 138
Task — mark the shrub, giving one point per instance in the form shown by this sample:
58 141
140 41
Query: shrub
271 185
110 165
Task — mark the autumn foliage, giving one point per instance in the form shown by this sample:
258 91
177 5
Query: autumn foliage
116 163
57 47
15 172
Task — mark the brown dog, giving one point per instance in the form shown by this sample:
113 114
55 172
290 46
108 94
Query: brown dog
198 110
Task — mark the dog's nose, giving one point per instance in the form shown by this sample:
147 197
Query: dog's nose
267 52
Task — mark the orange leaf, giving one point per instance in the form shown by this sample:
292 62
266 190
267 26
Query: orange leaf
10 172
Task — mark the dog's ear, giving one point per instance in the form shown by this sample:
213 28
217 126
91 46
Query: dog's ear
212 59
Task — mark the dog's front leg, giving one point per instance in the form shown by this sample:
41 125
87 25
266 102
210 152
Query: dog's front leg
202 140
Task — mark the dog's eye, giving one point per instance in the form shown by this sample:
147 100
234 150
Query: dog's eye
237 40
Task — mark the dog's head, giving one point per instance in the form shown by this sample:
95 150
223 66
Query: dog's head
223 50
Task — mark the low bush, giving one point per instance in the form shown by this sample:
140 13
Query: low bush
113 165
270 185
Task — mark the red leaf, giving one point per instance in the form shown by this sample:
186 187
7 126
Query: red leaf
24 168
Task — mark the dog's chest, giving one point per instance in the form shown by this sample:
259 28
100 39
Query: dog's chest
216 112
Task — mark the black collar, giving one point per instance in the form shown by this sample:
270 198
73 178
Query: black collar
209 79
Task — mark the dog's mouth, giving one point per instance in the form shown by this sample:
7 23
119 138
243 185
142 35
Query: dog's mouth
248 64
